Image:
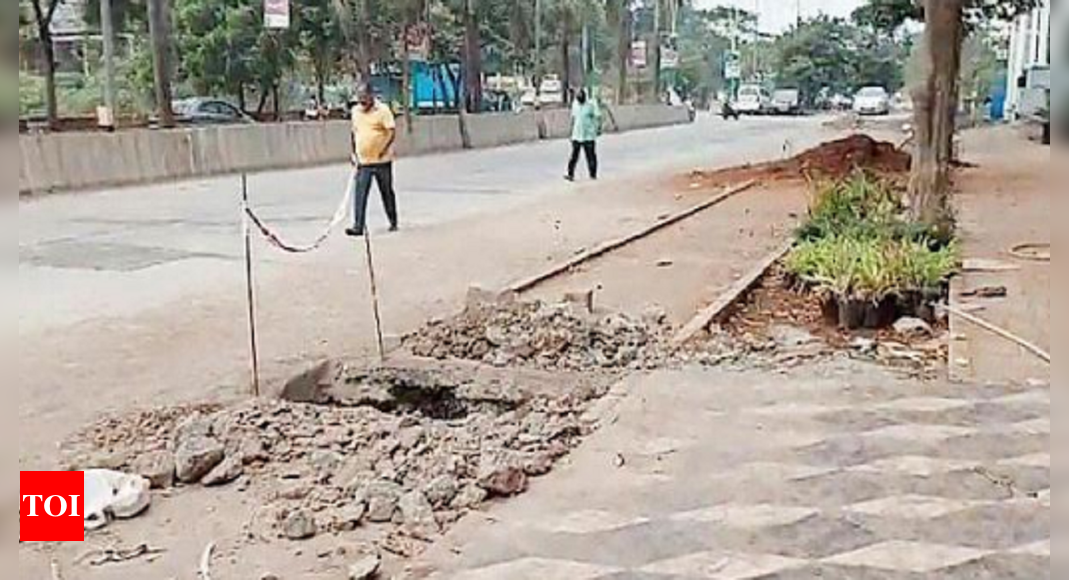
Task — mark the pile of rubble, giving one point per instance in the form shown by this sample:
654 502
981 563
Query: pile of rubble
565 336
411 459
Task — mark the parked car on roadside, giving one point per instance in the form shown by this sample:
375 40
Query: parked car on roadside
753 100
205 111
787 102
872 101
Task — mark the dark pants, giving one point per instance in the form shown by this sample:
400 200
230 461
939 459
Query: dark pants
383 175
590 149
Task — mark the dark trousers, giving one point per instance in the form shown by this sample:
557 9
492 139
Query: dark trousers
383 175
590 149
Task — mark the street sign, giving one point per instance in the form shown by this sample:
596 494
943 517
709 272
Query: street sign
418 42
669 58
639 54
277 14
732 65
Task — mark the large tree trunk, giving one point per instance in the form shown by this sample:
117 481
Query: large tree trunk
936 105
48 49
473 60
160 32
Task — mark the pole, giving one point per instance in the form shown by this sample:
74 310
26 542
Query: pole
374 294
107 30
657 50
254 349
538 52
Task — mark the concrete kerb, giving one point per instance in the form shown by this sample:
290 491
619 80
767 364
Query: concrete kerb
589 255
717 311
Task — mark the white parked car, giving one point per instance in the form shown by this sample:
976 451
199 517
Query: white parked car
551 92
753 100
872 101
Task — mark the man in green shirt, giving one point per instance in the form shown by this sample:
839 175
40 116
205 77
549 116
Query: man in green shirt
586 127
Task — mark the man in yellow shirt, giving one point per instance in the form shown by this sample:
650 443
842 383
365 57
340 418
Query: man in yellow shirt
374 134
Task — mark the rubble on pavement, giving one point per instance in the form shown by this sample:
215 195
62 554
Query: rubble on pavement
427 448
566 336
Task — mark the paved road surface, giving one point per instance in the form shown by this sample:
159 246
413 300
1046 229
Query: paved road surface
120 252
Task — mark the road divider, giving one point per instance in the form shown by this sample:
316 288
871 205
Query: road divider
62 162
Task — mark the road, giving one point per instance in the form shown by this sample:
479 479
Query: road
134 296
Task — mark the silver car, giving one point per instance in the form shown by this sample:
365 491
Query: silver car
872 101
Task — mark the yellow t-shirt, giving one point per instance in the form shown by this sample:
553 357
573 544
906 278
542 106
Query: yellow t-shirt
372 130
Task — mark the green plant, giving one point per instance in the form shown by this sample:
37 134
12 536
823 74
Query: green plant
871 268
861 206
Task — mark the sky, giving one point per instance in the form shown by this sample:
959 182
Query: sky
778 15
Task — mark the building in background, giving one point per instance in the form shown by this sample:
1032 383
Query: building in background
1028 75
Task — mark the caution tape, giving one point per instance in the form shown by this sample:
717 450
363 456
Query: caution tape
249 217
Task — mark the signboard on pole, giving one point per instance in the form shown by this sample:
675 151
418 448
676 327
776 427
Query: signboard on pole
418 42
639 52
732 65
669 58
277 14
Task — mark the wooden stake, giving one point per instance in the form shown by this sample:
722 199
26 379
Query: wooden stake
374 294
254 349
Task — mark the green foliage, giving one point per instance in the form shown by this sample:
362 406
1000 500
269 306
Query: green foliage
856 245
872 268
862 206
890 15
31 95
835 55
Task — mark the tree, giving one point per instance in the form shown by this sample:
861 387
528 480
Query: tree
159 25
43 14
320 39
936 98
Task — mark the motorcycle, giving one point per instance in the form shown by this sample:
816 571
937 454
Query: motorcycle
729 112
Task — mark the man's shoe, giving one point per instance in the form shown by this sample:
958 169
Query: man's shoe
354 233
394 228
569 178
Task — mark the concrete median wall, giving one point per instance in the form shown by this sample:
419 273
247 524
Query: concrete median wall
81 161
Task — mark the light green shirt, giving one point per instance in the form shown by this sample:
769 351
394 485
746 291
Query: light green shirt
586 122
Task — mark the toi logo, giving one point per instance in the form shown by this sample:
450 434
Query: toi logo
51 506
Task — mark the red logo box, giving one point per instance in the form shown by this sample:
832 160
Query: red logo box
51 506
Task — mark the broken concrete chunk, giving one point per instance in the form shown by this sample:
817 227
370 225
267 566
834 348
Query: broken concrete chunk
366 568
417 514
226 472
913 327
583 300
502 478
381 498
157 467
299 525
441 491
196 456
470 497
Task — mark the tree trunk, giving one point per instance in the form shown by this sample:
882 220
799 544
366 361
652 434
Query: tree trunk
51 99
936 105
406 82
566 55
159 31
623 50
473 61
657 50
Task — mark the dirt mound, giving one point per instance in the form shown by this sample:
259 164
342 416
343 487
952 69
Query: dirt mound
545 336
834 159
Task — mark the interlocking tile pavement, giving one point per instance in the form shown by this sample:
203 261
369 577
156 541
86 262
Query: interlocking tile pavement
802 476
